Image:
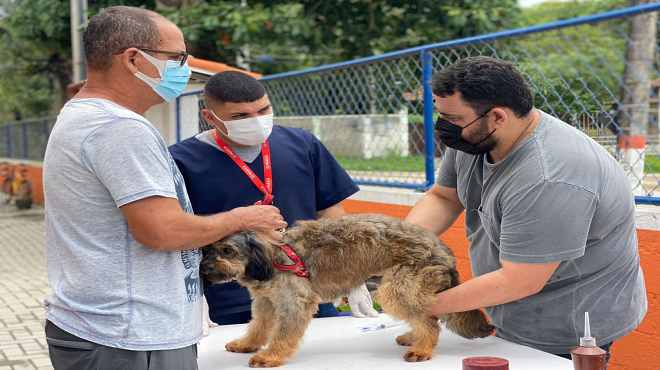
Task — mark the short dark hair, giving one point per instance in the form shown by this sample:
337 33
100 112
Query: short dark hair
233 87
117 28
485 82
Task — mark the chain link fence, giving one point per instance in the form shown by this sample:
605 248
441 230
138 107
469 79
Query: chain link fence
376 115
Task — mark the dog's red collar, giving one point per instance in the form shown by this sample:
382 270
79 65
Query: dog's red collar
298 266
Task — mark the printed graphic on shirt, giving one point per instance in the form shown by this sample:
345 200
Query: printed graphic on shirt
190 258
192 280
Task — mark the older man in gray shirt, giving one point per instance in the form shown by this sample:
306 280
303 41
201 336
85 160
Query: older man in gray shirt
121 242
549 214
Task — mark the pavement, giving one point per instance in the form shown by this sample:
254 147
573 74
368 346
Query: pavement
23 287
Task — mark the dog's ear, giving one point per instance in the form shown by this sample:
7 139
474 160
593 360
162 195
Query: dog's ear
206 250
260 266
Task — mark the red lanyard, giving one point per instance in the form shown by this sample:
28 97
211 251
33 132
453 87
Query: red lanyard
267 189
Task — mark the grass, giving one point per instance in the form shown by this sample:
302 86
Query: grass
416 163
652 164
347 308
388 163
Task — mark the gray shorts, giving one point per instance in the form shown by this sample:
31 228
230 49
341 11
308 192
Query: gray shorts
68 352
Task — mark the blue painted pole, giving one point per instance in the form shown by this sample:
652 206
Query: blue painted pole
429 139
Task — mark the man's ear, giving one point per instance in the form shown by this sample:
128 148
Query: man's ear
128 59
212 121
208 117
500 116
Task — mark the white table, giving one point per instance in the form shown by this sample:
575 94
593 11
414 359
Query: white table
338 344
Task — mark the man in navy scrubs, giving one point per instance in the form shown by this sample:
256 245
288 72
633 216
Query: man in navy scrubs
228 167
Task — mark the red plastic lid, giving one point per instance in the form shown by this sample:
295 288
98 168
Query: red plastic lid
485 363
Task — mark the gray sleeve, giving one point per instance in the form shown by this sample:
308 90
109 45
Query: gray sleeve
546 222
447 173
130 161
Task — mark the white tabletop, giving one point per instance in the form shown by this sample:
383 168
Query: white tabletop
339 343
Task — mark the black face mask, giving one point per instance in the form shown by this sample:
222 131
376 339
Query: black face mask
450 134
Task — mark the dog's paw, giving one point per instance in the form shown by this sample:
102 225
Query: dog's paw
405 339
260 360
239 347
417 356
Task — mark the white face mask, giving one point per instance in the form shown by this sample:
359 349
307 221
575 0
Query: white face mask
248 131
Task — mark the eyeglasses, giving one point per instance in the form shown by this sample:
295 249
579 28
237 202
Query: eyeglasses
442 119
180 56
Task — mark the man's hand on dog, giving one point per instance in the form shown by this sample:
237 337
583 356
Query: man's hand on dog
262 219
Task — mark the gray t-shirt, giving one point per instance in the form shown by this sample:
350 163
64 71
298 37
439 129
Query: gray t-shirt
106 287
558 196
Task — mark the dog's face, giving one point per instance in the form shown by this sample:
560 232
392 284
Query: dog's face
241 256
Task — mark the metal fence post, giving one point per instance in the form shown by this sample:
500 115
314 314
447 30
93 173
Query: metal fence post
177 108
46 133
429 139
8 140
24 134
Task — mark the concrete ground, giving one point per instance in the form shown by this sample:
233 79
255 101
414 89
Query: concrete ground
23 287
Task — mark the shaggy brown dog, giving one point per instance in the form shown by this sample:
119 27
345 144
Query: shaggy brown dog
340 254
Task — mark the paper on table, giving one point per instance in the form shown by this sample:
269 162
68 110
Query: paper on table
379 324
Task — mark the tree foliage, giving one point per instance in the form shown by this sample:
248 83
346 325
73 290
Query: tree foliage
282 35
575 71
35 60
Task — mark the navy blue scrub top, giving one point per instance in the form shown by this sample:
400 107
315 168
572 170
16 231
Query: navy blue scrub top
306 179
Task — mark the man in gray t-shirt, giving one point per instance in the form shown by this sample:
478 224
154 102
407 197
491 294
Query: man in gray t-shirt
121 242
548 212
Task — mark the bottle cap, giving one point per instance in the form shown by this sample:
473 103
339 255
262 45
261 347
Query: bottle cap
587 340
485 363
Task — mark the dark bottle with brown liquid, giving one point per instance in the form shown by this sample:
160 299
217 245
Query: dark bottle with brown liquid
588 356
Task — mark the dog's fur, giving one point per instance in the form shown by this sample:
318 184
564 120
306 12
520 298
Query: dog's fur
340 254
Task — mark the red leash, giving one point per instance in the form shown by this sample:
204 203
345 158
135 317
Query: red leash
298 266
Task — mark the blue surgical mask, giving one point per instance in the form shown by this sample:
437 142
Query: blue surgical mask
173 77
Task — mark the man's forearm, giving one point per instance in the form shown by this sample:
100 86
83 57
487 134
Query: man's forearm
434 213
198 231
335 211
487 290
187 231
161 224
